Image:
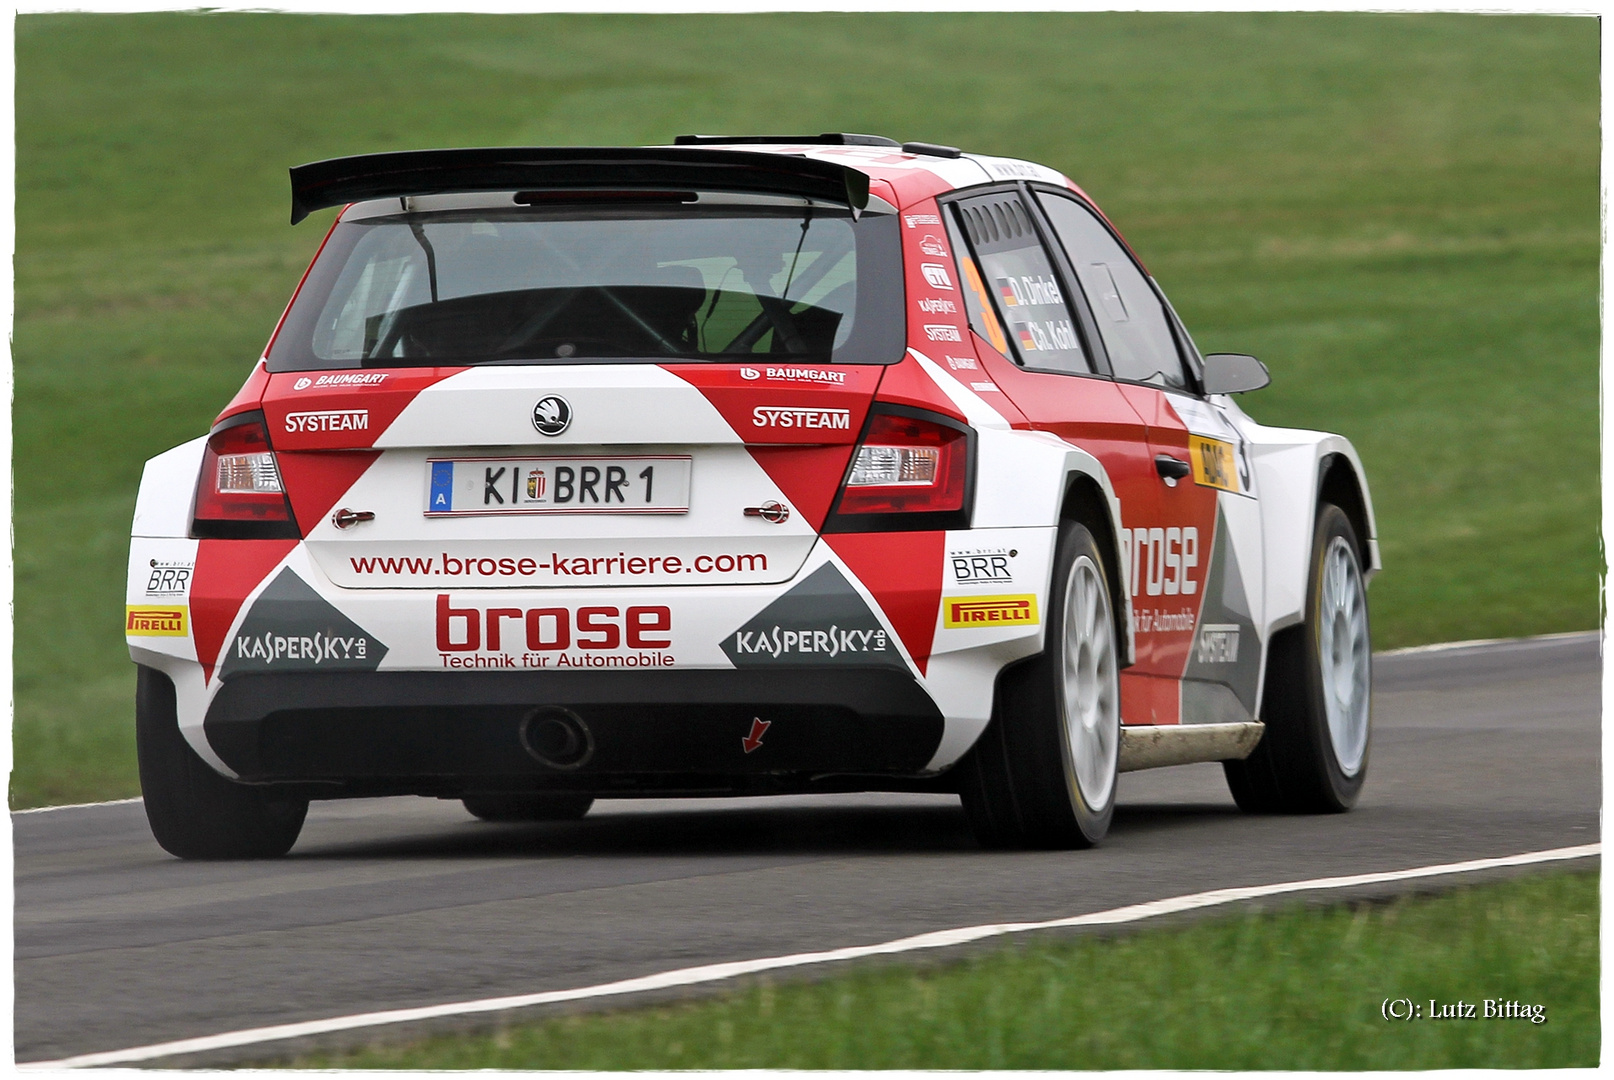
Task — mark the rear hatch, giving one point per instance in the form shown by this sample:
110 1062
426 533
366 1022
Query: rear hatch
451 485
562 389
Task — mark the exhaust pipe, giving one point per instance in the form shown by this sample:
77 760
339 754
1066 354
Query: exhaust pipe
557 737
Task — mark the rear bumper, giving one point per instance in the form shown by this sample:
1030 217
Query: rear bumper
397 687
442 733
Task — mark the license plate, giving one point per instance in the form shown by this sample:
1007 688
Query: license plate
571 485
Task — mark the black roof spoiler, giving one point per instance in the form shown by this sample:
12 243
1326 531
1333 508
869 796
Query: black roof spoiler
338 181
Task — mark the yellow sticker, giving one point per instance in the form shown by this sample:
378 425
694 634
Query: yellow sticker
145 621
962 612
1213 463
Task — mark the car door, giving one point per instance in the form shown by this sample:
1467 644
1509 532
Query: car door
1035 339
1197 574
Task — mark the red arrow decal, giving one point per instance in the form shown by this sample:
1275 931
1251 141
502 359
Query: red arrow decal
754 740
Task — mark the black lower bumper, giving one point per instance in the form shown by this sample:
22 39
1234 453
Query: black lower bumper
444 733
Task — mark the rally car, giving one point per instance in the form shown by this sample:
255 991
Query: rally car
737 466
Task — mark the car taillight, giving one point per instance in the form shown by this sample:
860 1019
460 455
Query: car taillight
912 470
239 495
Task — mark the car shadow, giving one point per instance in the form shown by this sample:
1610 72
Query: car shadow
812 831
755 831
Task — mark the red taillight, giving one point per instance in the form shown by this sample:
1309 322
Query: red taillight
239 494
912 470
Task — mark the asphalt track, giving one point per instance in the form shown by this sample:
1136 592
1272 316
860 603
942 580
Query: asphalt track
1477 752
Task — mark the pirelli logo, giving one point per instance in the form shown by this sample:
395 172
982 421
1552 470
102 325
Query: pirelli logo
164 621
962 612
1213 463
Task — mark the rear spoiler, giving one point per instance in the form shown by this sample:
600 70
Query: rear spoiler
339 181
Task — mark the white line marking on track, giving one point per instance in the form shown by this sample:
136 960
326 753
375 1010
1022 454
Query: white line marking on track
1496 643
76 806
717 972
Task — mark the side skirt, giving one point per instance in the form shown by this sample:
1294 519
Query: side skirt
1181 744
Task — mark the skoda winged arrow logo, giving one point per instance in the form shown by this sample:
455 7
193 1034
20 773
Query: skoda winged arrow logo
552 415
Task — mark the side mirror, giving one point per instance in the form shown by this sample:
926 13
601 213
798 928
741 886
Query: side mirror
1234 373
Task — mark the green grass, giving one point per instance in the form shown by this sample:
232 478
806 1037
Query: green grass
1301 989
1398 213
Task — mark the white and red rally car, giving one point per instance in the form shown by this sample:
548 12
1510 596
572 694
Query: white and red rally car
739 466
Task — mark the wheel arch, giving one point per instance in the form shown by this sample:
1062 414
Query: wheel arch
1339 483
1088 503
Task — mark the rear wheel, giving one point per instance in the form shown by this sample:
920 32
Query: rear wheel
194 812
1318 706
1044 772
504 806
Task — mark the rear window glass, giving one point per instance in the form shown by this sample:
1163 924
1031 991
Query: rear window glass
569 283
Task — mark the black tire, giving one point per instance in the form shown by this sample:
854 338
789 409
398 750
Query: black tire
1022 783
194 812
511 806
1297 766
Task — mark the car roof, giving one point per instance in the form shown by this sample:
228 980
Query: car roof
911 176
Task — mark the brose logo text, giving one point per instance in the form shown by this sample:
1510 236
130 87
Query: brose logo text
550 629
1162 561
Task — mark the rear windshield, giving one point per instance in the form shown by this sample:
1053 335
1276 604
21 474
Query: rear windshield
561 284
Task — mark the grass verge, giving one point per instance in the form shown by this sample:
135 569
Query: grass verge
1398 213
1298 989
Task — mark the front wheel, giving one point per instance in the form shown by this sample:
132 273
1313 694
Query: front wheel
193 811
1313 755
1044 772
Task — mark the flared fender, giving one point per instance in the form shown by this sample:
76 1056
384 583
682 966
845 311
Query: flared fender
1292 468
167 486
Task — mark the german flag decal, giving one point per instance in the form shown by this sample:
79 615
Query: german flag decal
164 621
966 612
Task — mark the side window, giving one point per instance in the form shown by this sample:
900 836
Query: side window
1011 294
1130 318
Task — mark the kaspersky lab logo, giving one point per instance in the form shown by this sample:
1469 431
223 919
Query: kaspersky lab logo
821 621
290 627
